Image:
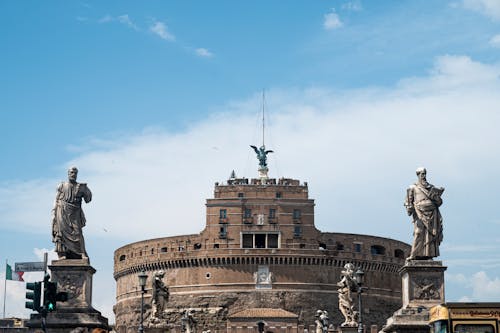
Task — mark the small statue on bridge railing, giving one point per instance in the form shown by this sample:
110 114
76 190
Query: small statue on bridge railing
322 321
188 321
160 295
347 285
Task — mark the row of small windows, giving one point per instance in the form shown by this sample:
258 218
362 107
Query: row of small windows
271 241
374 250
278 195
247 213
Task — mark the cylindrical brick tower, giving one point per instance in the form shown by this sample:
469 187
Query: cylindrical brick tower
259 249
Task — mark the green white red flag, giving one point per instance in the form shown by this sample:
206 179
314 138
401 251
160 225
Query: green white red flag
13 275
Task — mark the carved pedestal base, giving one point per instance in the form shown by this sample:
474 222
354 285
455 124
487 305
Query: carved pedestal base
73 276
422 288
346 329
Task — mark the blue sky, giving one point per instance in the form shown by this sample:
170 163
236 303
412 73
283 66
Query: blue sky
148 96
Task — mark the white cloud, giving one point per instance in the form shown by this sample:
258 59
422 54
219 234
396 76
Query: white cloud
160 29
495 41
459 94
490 8
477 287
123 19
354 6
106 19
332 21
202 52
40 254
485 288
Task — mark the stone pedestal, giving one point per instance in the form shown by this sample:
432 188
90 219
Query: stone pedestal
73 276
422 288
348 329
263 173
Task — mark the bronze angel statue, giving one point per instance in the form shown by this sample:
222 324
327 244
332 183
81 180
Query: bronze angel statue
262 155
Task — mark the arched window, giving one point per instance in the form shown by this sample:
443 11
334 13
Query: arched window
122 257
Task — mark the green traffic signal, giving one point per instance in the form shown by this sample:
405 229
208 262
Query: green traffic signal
50 295
34 294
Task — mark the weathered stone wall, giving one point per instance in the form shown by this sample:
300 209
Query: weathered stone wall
212 310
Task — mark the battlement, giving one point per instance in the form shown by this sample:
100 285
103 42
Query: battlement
264 181
282 188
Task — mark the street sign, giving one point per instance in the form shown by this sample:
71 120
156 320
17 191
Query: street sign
30 266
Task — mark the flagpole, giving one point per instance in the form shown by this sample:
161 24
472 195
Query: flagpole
5 287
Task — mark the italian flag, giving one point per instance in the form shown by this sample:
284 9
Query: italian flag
12 275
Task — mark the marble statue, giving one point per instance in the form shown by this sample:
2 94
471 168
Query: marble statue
188 321
68 218
422 204
322 321
160 295
347 285
262 155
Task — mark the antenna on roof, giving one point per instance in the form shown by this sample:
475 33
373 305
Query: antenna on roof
262 152
263 114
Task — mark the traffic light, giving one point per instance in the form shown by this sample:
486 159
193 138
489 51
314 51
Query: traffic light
33 293
51 296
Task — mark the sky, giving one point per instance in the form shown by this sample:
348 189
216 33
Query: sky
156 101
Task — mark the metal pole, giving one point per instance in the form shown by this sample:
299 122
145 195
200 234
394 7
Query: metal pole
360 323
141 327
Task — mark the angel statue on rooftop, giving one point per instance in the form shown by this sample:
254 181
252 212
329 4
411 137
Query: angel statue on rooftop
262 155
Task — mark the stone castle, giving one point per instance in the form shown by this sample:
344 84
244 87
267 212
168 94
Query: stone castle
260 263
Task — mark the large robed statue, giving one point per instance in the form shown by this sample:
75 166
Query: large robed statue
68 218
422 204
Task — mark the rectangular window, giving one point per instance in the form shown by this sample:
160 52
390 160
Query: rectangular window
296 213
240 195
247 213
272 213
357 247
278 195
260 241
247 241
272 241
222 213
223 231
297 231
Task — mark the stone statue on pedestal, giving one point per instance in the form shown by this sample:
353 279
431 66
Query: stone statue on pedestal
160 295
347 285
68 218
188 321
322 321
72 272
422 204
